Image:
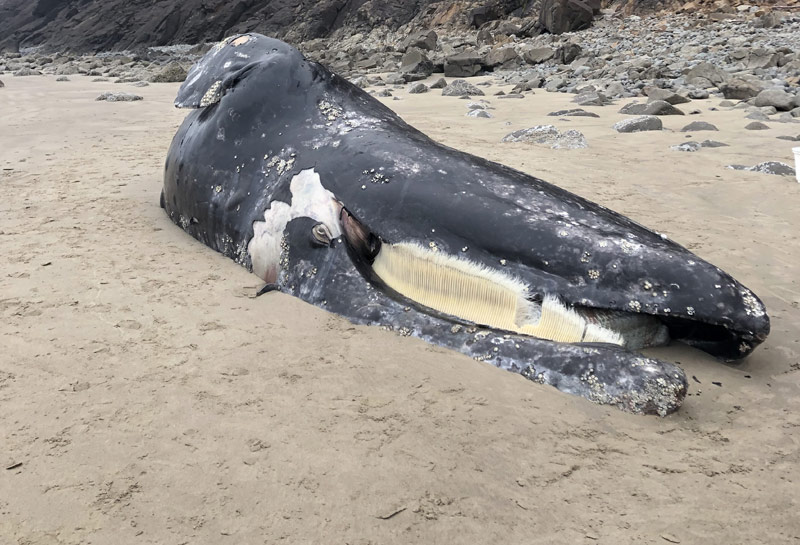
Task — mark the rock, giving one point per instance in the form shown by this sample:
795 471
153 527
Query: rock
768 167
464 64
592 99
423 39
527 86
479 113
777 98
140 84
615 89
440 83
99 80
769 20
511 95
559 16
417 88
538 55
726 104
395 78
654 93
27 72
461 88
639 124
739 89
713 144
575 112
758 57
795 112
686 146
633 108
548 135
414 61
660 107
384 93
568 53
2 84
706 71
499 56
118 97
62 78
756 126
171 73
790 138
695 126
484 37
758 116
697 94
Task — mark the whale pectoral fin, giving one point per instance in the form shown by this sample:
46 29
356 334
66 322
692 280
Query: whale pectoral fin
268 288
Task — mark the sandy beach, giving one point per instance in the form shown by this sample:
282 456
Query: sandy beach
148 397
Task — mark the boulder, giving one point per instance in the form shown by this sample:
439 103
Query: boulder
559 16
568 53
465 64
549 136
756 126
499 56
655 93
423 39
461 88
706 71
639 124
417 88
739 89
118 97
171 73
538 55
415 61
27 72
777 98
661 107
695 126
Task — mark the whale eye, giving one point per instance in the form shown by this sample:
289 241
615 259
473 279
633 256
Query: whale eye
322 234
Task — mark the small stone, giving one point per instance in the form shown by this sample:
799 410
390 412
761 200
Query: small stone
686 146
479 113
575 112
639 124
62 78
417 88
713 144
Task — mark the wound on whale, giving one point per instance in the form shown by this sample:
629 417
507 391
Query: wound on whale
327 195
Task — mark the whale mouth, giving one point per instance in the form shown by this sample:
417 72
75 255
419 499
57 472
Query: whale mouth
462 290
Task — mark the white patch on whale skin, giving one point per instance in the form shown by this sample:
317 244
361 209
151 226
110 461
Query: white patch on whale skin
309 199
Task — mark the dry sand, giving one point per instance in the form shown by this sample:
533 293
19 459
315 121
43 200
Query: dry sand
150 399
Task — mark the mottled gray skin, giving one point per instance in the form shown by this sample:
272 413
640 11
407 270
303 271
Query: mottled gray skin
264 114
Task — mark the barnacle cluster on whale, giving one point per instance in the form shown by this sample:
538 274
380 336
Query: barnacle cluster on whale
326 194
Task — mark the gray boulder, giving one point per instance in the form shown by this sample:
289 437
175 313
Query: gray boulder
417 88
423 39
461 88
768 167
686 146
660 107
465 64
639 124
592 99
414 61
559 16
654 93
440 83
739 89
706 71
574 112
756 126
777 98
27 72
499 56
538 55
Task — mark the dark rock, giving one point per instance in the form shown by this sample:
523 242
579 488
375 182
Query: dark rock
59 78
695 126
575 112
384 93
654 93
484 37
140 84
639 124
790 138
171 73
511 95
559 16
633 108
465 64
2 84
479 113
756 126
758 116
423 39
527 85
739 89
118 97
568 53
769 20
706 71
777 98
461 88
417 88
440 83
538 55
416 62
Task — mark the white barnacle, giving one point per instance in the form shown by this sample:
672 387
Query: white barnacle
690 311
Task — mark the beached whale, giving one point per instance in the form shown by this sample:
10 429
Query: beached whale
326 194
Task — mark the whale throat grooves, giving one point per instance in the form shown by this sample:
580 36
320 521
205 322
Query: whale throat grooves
478 294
